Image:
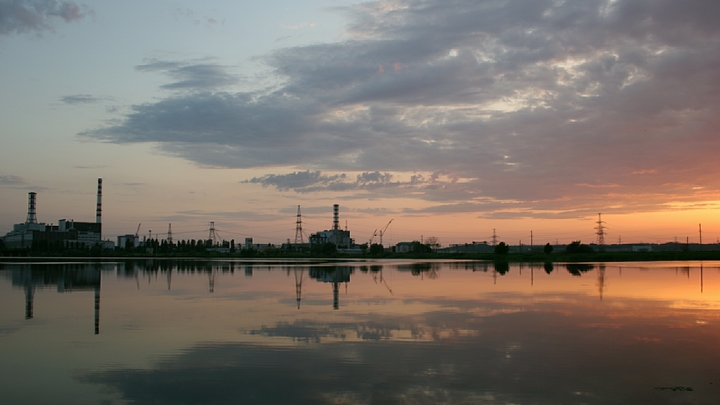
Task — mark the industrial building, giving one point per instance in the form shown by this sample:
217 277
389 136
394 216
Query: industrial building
340 238
87 234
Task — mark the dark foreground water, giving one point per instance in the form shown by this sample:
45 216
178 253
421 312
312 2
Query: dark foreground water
386 332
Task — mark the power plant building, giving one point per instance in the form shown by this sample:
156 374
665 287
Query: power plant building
336 236
67 231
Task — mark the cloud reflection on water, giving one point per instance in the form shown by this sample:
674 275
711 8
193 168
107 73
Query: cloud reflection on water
545 350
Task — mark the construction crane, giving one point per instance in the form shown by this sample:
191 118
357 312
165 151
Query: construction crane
383 231
136 243
372 238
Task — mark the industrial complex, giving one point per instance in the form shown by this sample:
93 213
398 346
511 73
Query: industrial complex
70 233
32 235
67 232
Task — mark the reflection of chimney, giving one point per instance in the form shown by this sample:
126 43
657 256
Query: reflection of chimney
336 217
29 295
31 219
336 295
97 308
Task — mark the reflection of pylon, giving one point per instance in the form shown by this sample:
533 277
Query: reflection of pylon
600 231
211 280
601 280
298 228
298 285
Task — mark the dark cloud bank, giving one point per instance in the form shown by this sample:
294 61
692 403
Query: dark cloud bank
550 105
36 16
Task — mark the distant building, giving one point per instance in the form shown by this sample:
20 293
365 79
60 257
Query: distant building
341 239
67 231
128 241
475 247
404 247
249 245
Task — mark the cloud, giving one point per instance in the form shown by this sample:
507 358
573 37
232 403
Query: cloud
82 99
26 16
375 183
10 180
541 104
190 74
197 19
89 167
298 26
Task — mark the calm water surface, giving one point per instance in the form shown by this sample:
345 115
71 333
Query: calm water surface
385 332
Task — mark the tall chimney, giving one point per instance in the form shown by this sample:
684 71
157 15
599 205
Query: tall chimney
31 219
98 213
336 217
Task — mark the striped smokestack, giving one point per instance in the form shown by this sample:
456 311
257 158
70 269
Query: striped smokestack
336 217
31 219
98 213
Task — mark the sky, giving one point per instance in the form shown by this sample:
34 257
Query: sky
457 119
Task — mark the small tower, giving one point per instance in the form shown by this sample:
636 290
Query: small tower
600 228
298 228
336 217
31 218
169 236
213 235
98 211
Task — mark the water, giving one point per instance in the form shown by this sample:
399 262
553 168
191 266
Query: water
385 332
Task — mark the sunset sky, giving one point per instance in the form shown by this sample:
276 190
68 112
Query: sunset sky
453 118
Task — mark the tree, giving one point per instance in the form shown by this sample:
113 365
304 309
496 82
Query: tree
577 247
324 249
418 247
502 249
433 242
376 249
548 249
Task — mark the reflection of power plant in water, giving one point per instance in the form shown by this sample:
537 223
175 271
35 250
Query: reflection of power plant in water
333 275
67 280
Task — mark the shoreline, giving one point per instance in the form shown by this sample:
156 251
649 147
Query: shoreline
510 257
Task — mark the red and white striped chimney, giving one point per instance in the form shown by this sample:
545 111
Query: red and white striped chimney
336 217
98 213
31 218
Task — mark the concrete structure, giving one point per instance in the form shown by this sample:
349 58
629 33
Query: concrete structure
128 240
404 247
87 234
341 239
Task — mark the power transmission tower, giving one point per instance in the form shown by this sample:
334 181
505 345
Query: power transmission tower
600 228
213 235
700 229
494 238
169 237
298 229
